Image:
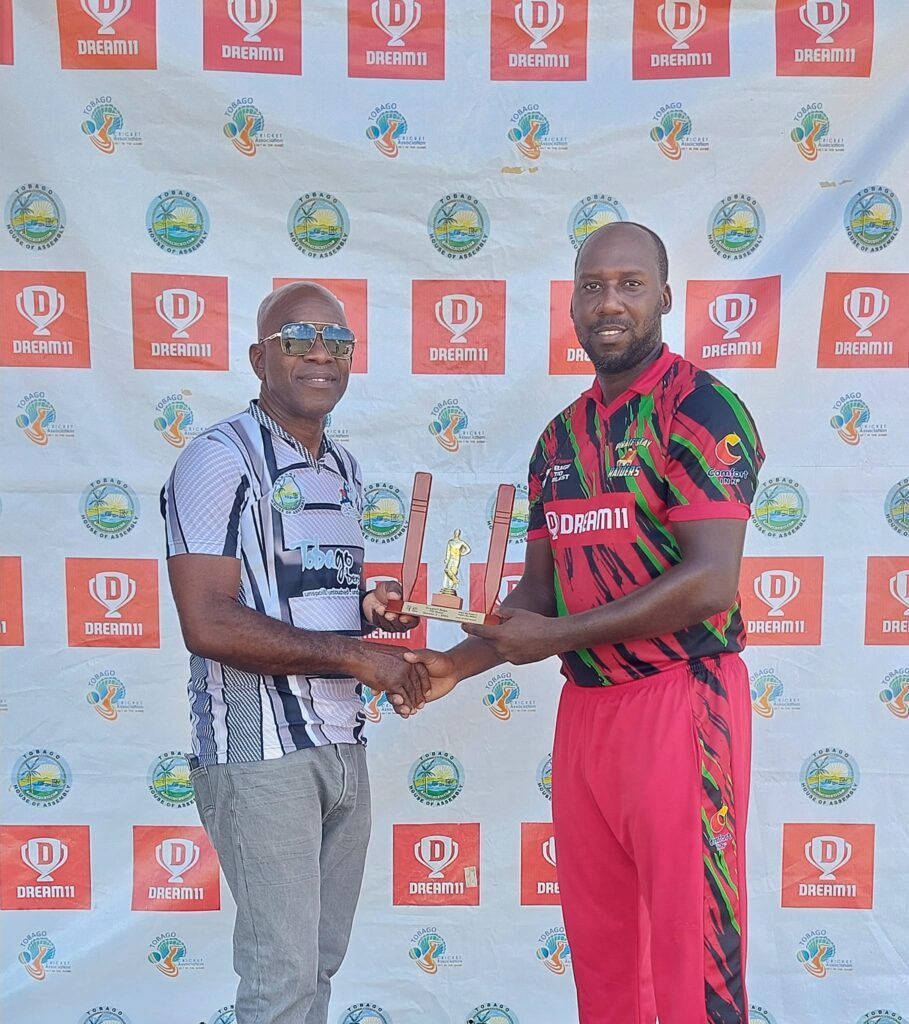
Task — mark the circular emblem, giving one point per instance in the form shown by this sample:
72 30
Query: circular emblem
225 1015
318 224
849 419
436 778
384 513
554 950
501 692
35 216
895 693
458 226
896 507
104 1015
829 776
817 949
110 509
674 126
168 780
592 212
449 420
872 218
544 776
36 417
41 778
780 507
881 1017
766 689
102 126
174 419
167 952
38 953
520 515
491 1013
105 693
387 127
286 496
428 947
364 1013
736 226
177 222
246 122
758 1015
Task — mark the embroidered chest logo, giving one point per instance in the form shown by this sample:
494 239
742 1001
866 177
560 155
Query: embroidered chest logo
627 456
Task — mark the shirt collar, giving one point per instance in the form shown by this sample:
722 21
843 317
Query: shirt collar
643 384
262 417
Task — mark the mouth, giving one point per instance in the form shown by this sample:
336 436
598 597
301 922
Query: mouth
318 381
609 331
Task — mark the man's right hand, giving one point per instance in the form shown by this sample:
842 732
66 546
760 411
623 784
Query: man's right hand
442 675
383 668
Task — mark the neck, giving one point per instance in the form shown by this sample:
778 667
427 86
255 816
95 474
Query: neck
307 430
615 384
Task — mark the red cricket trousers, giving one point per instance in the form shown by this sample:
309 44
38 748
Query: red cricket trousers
650 784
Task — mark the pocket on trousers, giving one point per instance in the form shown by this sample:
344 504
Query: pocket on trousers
205 800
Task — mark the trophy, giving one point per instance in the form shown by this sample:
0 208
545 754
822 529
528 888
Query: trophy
446 604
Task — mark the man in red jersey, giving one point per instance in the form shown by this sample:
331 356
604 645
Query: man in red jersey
639 497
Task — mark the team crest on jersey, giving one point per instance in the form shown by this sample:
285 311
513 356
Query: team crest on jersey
349 501
287 495
627 457
35 217
872 218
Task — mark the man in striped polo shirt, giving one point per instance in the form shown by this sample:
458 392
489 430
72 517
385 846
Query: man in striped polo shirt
265 556
639 497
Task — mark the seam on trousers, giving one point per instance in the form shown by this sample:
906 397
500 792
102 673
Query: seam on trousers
337 802
242 867
693 675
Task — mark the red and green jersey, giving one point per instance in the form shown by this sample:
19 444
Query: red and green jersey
606 484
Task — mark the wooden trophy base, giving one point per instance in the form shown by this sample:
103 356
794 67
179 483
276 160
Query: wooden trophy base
444 612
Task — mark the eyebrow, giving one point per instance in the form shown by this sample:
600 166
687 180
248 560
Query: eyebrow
623 272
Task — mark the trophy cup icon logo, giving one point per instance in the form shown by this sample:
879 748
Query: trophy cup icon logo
865 306
681 19
177 857
106 12
252 16
776 588
396 18
459 314
44 856
112 590
41 305
899 589
539 19
730 312
824 17
435 853
548 849
180 308
828 854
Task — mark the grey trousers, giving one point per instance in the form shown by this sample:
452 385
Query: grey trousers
291 836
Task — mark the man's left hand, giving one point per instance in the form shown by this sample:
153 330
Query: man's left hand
522 637
375 608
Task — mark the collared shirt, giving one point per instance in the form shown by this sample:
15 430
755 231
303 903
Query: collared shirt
606 485
247 489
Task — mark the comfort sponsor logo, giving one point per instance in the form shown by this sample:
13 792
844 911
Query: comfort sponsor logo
811 133
437 865
458 327
6 31
733 323
538 40
180 322
39 956
681 39
45 867
174 869
429 951
887 600
511 577
353 294
828 865
603 519
851 419
257 36
44 319
539 883
373 574
396 39
105 128
865 321
112 602
109 34
12 625
824 37
565 354
817 953
782 600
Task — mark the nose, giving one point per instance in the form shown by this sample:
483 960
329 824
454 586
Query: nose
319 353
609 302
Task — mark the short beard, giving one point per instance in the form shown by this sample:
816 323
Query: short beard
643 343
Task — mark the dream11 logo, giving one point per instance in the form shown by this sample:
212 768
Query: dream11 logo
538 40
865 321
733 323
396 39
261 36
681 39
782 600
111 34
44 319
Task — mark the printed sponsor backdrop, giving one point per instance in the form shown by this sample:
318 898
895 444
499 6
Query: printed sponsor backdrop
436 165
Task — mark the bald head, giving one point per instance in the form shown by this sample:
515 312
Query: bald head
618 233
295 302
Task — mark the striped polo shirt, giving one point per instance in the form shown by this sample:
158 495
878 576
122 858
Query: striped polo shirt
247 489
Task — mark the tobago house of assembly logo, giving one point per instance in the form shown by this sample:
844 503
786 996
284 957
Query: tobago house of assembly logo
539 882
872 218
41 778
384 513
110 508
824 37
881 1017
544 776
520 514
44 319
35 217
436 778
829 776
458 327
828 865
851 419
45 867
865 321
37 419
673 132
491 1013
759 1015
396 39
365 1013
225 1015
177 222
593 211
389 131
894 694
680 39
538 40
256 36
780 507
817 953
353 294
318 224
768 694
531 133
104 1015
12 625
736 226
373 574
174 869
896 507
733 323
245 128
887 600
782 600
553 950
168 780
429 951
458 226
811 133
105 127
108 34
39 956
436 865
108 696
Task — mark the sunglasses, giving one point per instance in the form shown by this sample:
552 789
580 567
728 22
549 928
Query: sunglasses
298 339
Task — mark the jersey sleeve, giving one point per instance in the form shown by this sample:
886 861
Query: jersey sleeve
203 499
714 455
536 523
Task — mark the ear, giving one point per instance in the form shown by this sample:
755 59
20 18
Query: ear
667 300
257 359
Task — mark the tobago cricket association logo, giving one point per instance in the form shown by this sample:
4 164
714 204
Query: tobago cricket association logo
365 1013
539 882
531 133
503 697
318 224
768 694
45 867
811 133
538 40
37 420
104 1015
851 419
896 507
44 319
887 600
782 600
107 695
824 37
829 776
245 128
38 955
733 323
436 865
396 39
389 131
41 778
108 34
828 865
177 222
375 704
674 134
780 507
593 211
429 951
736 226
168 953
109 507
436 778
384 513
553 950
865 321
35 217
680 39
105 128
491 1013
174 869
449 424
174 419
894 694
253 36
458 226
168 780
458 327
544 777
180 322
872 218
817 953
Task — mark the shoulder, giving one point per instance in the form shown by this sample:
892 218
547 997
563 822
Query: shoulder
688 388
